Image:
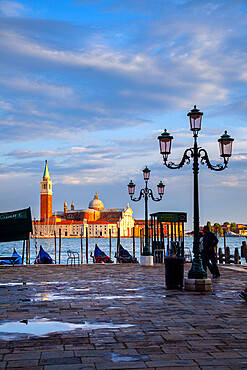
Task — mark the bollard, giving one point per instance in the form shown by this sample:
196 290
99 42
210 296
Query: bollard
244 250
236 257
221 256
227 255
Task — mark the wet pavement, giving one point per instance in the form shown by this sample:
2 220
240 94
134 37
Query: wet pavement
119 317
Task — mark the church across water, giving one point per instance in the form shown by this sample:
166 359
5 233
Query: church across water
94 220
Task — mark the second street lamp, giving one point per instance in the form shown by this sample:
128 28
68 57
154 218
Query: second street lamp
196 153
146 258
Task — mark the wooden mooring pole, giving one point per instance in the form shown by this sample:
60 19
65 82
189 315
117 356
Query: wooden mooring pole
81 249
141 241
29 250
86 245
134 243
55 246
118 242
110 243
23 251
60 246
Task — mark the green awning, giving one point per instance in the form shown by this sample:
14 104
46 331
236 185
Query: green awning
170 216
15 225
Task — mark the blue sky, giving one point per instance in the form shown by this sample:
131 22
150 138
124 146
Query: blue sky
90 84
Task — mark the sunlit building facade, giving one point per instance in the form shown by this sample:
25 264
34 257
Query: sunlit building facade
95 220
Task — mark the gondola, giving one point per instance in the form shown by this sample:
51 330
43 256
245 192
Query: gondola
99 256
125 256
43 258
16 261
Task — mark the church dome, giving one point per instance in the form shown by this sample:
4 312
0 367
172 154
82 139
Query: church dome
96 203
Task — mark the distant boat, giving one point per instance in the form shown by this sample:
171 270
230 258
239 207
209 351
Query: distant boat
232 234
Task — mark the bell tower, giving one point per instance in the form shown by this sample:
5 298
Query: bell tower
46 195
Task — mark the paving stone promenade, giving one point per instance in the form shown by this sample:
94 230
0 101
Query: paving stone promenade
123 318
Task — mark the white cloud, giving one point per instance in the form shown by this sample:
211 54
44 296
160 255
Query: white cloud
33 86
11 8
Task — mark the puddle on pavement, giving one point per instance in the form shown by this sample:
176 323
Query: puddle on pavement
80 289
39 327
229 294
15 284
117 357
56 296
120 297
115 308
50 297
23 283
103 281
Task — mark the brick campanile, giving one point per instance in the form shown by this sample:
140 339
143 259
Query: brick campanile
46 195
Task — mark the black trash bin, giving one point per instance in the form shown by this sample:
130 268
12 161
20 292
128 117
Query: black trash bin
174 272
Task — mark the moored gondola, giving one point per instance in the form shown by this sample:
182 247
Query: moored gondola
125 256
99 256
17 260
43 258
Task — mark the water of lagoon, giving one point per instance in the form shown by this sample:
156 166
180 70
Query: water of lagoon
74 244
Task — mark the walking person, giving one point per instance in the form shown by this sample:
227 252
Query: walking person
209 260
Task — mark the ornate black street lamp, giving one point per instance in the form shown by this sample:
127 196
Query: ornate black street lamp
145 193
196 153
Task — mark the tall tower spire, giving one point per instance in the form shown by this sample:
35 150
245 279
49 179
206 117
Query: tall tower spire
46 195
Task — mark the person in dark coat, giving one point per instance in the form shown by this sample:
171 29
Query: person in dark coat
209 260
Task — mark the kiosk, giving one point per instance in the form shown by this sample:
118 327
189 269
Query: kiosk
168 245
167 232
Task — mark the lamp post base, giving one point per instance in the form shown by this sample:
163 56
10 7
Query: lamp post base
197 271
198 285
146 260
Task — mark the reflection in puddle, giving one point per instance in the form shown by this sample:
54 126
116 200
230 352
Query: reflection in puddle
44 326
55 296
49 297
103 281
13 284
35 283
119 297
115 308
117 357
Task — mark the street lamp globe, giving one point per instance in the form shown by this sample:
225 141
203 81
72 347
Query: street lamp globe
225 144
195 119
146 173
161 188
165 140
131 188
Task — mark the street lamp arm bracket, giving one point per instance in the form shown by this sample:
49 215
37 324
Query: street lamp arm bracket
142 194
185 160
150 194
202 153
